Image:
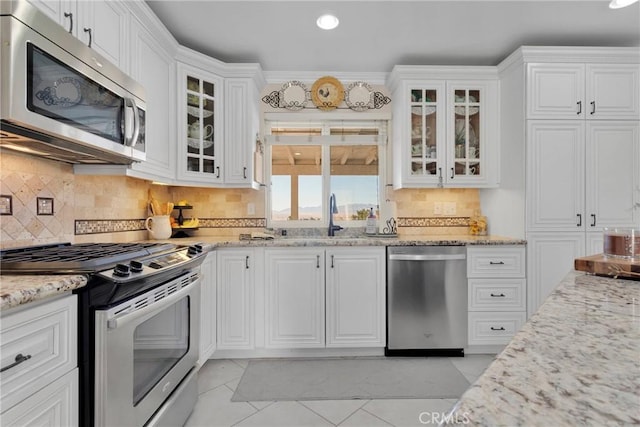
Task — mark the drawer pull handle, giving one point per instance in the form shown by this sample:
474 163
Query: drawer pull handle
498 329
498 295
496 262
18 360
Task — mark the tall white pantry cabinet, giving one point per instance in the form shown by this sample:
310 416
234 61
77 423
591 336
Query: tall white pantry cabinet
572 116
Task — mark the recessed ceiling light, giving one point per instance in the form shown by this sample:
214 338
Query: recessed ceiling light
327 21
617 4
297 153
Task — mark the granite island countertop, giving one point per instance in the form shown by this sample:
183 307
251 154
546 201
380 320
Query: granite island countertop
576 362
16 290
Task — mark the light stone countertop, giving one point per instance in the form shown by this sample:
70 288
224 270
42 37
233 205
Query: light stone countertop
213 242
576 362
21 289
16 290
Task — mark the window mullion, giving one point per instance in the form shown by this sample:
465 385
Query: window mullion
326 182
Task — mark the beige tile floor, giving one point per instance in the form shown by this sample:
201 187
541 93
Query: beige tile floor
218 379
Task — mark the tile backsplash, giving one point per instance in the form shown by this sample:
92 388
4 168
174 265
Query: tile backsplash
113 208
26 178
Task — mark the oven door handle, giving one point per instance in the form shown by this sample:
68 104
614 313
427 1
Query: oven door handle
128 317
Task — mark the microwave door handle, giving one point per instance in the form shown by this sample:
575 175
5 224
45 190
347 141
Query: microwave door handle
131 103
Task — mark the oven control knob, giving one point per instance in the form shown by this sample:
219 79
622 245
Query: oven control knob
198 248
135 266
192 251
121 270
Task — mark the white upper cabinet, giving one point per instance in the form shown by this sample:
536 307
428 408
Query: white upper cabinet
577 91
102 25
242 128
445 130
612 181
583 176
218 121
200 131
154 68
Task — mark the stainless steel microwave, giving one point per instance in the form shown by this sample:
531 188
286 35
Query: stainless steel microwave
61 99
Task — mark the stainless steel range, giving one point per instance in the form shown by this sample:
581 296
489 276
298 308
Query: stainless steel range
138 326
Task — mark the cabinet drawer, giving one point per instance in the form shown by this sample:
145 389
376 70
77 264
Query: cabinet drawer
494 328
46 334
497 294
54 405
496 262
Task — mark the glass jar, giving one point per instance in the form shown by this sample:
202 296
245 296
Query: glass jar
478 225
621 243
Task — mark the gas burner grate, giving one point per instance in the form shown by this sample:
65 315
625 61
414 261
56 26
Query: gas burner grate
80 258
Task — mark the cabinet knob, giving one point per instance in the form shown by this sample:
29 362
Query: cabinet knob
579 107
579 224
593 107
593 220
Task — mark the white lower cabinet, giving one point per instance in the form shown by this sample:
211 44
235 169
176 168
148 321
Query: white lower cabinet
355 294
55 405
236 276
550 258
496 328
317 297
207 308
38 352
497 293
294 298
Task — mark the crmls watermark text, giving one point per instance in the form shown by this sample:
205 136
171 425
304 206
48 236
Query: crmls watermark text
436 418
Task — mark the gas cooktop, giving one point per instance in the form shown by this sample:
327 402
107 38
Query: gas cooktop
61 258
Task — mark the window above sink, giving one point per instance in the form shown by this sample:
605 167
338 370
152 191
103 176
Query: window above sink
309 161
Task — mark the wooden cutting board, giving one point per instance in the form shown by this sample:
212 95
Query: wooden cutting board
612 267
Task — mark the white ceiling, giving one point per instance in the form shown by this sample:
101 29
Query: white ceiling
375 35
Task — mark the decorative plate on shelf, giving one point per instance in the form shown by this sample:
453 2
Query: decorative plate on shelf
195 143
472 110
359 96
195 112
294 95
327 93
428 110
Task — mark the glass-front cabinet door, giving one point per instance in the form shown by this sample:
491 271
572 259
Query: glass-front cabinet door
201 151
426 119
445 131
465 137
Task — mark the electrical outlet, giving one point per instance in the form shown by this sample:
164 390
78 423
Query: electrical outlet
437 208
450 208
251 208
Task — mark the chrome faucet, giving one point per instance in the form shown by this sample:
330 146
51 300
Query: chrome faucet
333 209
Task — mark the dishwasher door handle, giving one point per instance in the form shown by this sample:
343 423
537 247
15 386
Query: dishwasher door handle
410 257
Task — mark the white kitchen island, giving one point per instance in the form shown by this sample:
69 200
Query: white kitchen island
576 362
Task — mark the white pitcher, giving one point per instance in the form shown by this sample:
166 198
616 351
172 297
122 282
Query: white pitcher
159 226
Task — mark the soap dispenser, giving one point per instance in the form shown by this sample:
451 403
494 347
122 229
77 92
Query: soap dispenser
372 224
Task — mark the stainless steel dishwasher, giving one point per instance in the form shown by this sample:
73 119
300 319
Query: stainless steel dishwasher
426 301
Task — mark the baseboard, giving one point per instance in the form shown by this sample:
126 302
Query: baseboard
299 352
